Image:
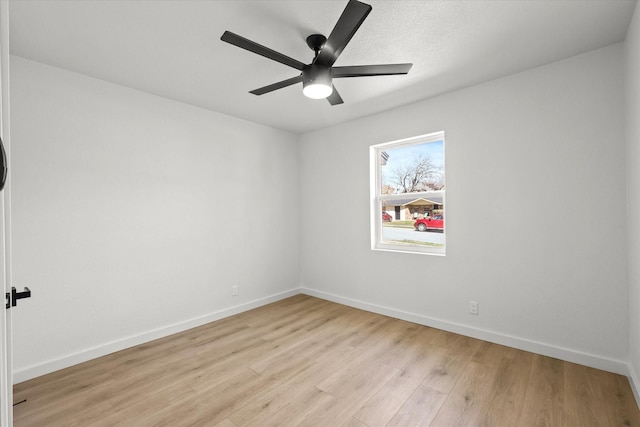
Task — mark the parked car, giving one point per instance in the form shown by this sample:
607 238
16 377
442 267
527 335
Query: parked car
431 222
386 217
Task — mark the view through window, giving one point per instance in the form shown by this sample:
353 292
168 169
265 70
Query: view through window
408 195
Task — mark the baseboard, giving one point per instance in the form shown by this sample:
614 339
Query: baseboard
595 361
111 347
569 355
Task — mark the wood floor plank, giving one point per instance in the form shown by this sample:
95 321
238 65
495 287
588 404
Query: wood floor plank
419 409
382 406
285 382
509 388
354 422
490 354
212 405
306 361
50 394
584 398
614 407
265 407
67 414
298 412
544 397
452 362
626 409
350 390
143 408
467 403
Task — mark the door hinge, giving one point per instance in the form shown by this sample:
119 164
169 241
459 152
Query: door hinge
13 297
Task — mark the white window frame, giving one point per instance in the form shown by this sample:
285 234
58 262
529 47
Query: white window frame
376 197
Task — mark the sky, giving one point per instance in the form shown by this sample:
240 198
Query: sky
402 155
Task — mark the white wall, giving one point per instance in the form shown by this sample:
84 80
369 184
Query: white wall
134 215
536 217
632 56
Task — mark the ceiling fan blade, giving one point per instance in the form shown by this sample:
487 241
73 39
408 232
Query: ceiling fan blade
276 86
348 23
254 47
371 70
335 98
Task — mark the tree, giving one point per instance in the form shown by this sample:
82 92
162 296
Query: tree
419 175
388 189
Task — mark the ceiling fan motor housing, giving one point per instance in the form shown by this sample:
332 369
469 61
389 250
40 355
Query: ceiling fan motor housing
316 42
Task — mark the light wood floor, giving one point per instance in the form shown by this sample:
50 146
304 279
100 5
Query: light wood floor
305 361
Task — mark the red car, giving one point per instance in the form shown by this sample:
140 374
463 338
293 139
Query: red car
386 217
434 223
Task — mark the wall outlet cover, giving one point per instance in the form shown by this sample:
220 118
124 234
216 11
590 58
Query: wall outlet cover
473 307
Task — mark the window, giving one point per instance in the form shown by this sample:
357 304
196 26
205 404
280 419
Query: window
408 195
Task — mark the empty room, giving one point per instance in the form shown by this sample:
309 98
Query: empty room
320 213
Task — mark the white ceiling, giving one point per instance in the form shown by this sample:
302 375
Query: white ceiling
173 48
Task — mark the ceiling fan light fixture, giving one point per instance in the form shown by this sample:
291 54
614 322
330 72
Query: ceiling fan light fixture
316 82
317 91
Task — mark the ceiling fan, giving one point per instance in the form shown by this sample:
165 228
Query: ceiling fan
317 77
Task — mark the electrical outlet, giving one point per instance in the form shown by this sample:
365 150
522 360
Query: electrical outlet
473 307
234 291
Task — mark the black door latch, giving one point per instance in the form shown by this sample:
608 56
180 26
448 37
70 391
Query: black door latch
13 297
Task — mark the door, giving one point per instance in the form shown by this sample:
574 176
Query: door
6 367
